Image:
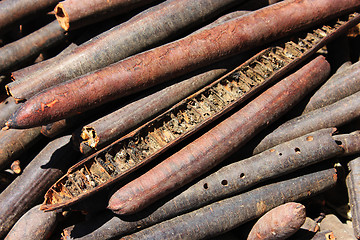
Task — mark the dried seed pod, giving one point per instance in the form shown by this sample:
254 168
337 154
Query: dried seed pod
73 14
336 114
28 47
29 187
15 141
190 53
109 128
226 214
12 11
227 181
350 142
279 223
339 86
352 182
218 143
150 140
34 225
161 22
7 107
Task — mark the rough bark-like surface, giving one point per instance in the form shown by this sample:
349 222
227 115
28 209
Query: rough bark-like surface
73 14
13 143
353 184
220 142
107 129
163 63
339 86
29 188
30 46
149 28
229 213
12 11
34 225
334 115
279 223
225 182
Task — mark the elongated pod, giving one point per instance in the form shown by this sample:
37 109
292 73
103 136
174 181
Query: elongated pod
163 63
149 28
229 213
218 143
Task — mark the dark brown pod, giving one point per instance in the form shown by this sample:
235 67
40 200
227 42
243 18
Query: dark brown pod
30 46
13 143
72 14
227 181
353 184
109 128
7 108
191 114
218 143
28 188
229 213
12 11
336 114
339 86
162 22
279 223
34 225
350 142
177 58
27 71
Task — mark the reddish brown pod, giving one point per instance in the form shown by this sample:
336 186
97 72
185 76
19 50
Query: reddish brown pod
162 22
218 143
342 84
279 223
72 14
229 180
148 141
28 188
224 215
12 11
34 225
163 63
336 114
30 46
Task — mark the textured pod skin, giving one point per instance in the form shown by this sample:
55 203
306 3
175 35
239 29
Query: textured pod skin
34 225
23 72
219 142
225 182
13 142
279 223
229 213
350 142
163 63
12 11
336 114
339 86
29 188
28 47
110 127
7 107
161 23
107 129
72 14
353 184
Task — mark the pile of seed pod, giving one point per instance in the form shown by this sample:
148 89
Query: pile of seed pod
179 119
